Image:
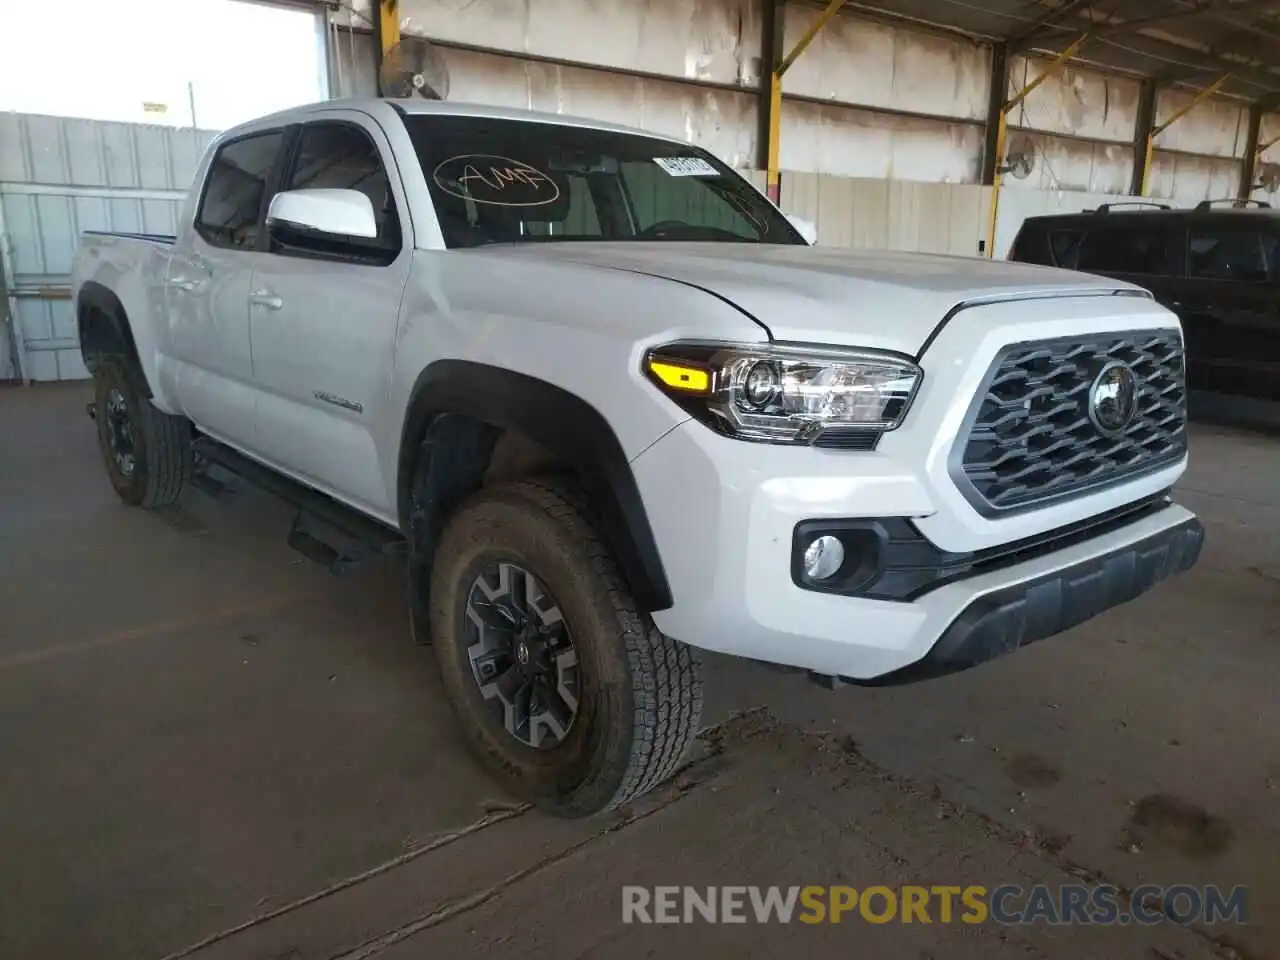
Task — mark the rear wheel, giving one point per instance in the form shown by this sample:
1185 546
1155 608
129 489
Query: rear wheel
565 688
147 453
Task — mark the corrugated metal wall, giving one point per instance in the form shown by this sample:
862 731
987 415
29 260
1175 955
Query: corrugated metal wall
58 177
1081 126
872 100
866 99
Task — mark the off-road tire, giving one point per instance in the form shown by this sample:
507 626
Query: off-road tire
641 691
161 442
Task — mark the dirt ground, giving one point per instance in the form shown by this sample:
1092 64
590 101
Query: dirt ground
210 748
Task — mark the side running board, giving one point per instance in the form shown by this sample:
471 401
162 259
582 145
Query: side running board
323 530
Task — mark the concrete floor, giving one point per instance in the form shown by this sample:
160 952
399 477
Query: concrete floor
210 748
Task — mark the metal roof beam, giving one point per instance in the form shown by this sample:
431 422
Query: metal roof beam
1105 26
1229 14
1263 83
1052 19
1169 63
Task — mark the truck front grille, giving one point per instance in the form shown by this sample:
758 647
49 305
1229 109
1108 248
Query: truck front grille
1030 439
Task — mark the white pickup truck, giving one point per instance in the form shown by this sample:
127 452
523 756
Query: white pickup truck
614 406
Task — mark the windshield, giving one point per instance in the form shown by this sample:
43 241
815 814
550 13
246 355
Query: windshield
516 181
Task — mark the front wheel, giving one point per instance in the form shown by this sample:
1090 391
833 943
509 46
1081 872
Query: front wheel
565 688
147 452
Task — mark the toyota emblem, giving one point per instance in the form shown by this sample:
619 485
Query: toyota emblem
1113 398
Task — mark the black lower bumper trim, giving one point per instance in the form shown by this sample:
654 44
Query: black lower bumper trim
890 559
1006 620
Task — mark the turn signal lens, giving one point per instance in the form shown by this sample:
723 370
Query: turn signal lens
681 377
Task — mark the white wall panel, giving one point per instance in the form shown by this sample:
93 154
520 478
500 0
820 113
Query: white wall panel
1080 102
711 40
873 64
821 138
722 121
1214 126
1065 164
881 214
1187 180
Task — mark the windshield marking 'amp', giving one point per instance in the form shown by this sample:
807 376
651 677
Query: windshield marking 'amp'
1057 418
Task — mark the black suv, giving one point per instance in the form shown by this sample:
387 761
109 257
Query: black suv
1217 268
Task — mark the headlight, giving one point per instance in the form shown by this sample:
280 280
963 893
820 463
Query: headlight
786 394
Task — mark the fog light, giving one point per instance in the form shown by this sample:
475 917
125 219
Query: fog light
823 558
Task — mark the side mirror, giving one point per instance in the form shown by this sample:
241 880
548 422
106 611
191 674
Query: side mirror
806 228
341 213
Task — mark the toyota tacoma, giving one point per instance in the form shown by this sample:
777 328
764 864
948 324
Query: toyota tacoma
612 406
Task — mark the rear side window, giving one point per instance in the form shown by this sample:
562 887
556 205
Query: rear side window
341 156
1036 243
228 215
1125 250
1239 255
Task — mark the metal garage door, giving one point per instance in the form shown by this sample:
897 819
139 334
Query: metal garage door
61 176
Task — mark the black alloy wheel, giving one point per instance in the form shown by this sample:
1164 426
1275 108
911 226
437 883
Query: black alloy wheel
522 656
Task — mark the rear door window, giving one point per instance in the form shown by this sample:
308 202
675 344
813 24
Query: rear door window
230 209
1225 253
1123 249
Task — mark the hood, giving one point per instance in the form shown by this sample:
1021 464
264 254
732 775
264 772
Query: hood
874 299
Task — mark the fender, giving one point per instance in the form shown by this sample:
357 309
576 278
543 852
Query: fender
563 423
111 335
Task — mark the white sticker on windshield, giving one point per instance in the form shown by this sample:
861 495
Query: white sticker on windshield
686 166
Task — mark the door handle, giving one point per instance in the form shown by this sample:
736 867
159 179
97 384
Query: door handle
181 283
265 298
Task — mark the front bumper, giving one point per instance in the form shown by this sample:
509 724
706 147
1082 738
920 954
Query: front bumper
1004 620
725 512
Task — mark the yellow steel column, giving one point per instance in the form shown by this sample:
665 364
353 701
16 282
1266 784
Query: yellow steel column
775 96
1002 131
388 24
772 187
1149 153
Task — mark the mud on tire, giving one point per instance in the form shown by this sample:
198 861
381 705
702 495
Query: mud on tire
147 453
638 693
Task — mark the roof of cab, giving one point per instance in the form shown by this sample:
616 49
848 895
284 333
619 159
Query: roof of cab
423 107
1130 216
